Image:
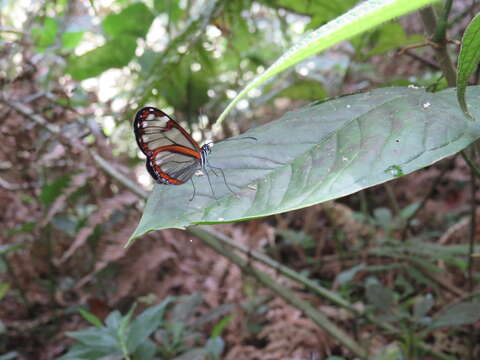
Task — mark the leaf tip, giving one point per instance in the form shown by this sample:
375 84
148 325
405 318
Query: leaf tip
468 114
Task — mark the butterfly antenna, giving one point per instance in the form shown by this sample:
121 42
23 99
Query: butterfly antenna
241 138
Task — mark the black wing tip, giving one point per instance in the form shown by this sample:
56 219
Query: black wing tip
150 109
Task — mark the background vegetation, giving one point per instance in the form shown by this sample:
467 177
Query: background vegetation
386 273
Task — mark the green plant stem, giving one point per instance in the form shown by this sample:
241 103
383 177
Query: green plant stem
471 250
392 198
473 226
430 21
473 167
290 297
363 203
441 30
474 173
51 266
425 199
439 35
14 278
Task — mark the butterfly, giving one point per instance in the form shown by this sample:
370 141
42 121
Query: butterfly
173 156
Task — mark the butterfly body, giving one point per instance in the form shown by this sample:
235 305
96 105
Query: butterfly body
173 156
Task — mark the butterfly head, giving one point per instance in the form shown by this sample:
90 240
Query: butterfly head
207 148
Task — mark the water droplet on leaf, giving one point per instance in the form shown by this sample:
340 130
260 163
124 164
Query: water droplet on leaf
395 171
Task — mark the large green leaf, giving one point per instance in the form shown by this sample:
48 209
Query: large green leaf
134 20
70 40
460 314
318 153
114 54
145 324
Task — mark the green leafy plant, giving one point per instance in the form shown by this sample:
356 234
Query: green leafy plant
130 337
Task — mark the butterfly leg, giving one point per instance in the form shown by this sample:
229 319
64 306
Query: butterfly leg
223 175
194 190
211 186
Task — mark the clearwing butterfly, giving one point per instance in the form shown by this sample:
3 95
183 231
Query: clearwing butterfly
173 156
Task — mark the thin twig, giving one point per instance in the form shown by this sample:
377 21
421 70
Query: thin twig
432 64
114 173
12 31
28 112
55 130
471 250
417 45
12 187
